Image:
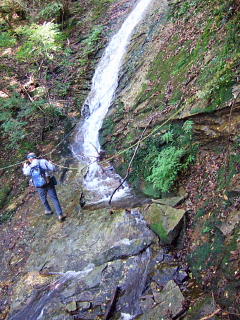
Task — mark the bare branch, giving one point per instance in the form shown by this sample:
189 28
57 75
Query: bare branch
130 163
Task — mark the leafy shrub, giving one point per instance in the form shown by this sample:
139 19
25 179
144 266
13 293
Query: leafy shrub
7 40
12 126
92 40
15 112
177 154
52 11
166 167
40 41
14 130
161 158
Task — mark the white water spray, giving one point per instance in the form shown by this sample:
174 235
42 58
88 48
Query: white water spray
104 84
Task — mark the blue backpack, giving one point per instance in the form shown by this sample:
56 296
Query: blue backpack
38 176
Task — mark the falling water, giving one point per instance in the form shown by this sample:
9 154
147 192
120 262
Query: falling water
104 84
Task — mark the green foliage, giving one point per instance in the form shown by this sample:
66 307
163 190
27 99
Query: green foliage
228 170
53 10
178 154
62 88
14 129
6 216
161 158
15 112
92 40
166 167
51 111
167 137
40 41
7 40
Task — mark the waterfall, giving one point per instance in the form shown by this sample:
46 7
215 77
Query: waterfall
104 84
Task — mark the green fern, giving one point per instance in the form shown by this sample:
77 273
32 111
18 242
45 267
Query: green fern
167 161
167 137
41 41
166 168
52 10
7 40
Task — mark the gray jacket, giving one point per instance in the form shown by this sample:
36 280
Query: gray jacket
44 164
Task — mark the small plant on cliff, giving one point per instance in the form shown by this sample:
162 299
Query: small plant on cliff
40 42
177 154
7 40
92 40
53 10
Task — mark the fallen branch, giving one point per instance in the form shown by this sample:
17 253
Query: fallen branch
130 163
211 315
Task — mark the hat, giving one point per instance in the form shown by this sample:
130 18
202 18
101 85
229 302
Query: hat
31 155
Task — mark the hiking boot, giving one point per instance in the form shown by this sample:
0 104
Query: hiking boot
48 213
61 218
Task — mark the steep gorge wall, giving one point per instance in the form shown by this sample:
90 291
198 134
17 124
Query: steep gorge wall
182 70
182 65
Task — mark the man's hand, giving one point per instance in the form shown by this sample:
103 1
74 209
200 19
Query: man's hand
26 164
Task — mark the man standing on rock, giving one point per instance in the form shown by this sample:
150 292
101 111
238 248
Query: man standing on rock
41 172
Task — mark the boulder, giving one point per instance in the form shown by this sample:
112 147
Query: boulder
170 303
231 221
165 221
163 276
173 200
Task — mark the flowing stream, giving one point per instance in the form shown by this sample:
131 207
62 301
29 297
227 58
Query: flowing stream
35 308
86 146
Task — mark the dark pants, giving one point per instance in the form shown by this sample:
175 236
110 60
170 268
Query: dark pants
51 191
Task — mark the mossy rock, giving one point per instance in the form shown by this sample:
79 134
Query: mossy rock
165 221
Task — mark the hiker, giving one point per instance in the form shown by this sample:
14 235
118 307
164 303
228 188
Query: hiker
41 172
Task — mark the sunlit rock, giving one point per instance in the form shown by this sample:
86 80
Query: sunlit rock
165 221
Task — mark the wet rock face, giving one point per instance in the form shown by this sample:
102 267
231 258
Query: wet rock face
113 247
114 270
